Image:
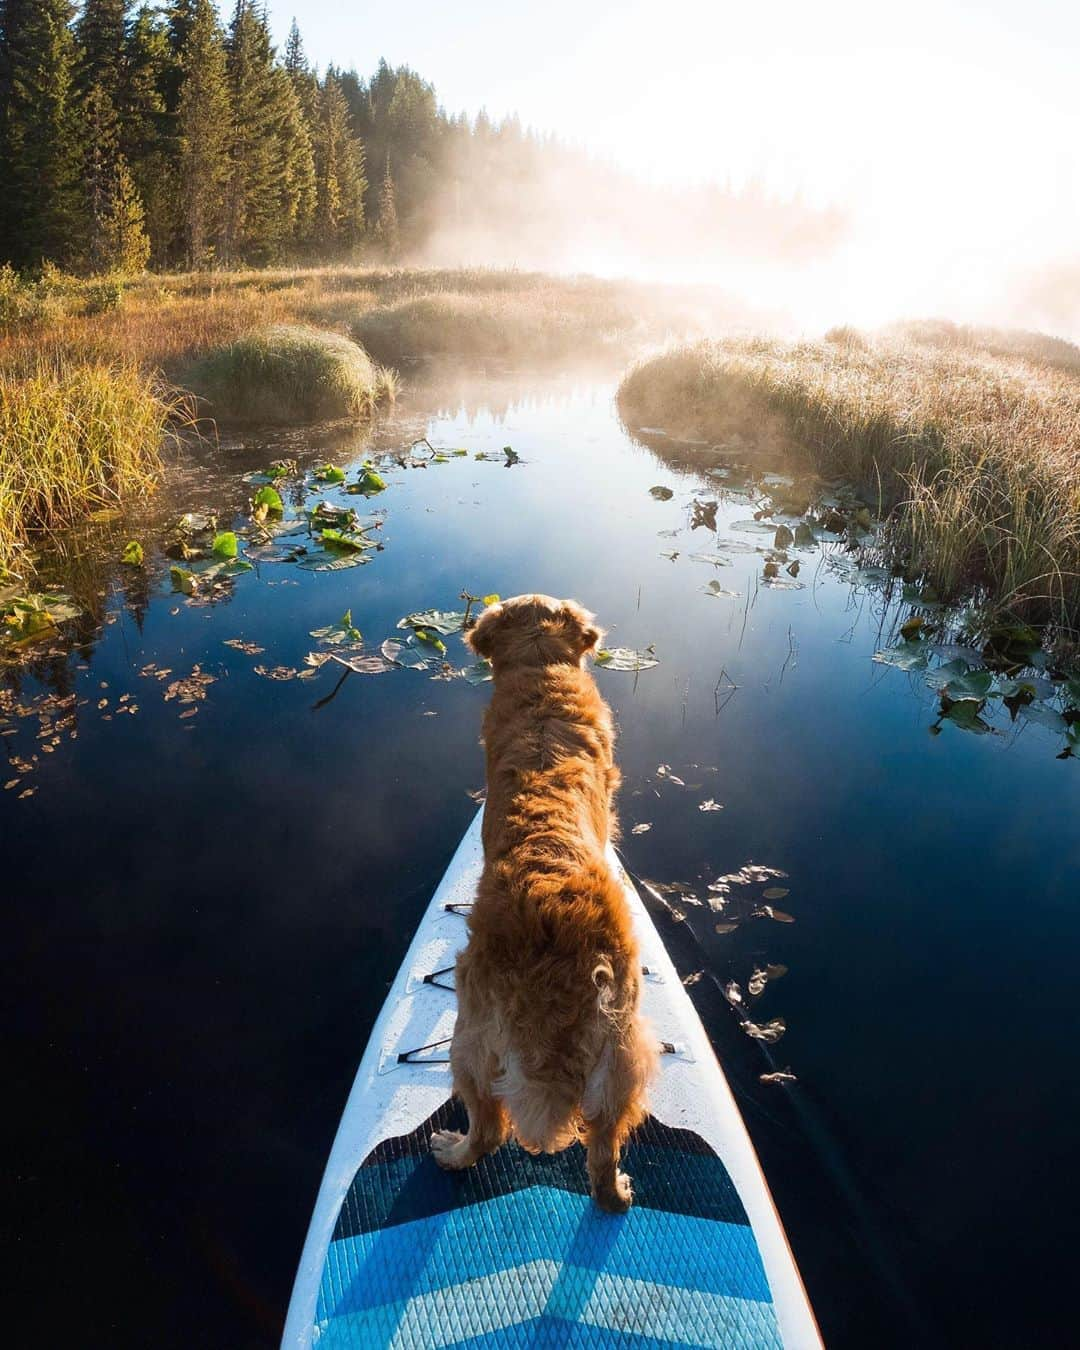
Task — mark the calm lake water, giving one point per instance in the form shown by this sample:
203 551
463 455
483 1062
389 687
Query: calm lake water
207 899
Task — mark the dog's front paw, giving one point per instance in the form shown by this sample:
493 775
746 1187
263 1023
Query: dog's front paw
615 1198
450 1149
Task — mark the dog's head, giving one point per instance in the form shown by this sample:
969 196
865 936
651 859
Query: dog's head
534 630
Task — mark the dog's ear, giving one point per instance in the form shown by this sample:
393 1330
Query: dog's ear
584 633
481 636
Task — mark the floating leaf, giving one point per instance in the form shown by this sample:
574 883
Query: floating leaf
719 592
775 892
369 483
480 673
336 633
727 926
670 554
778 1076
437 620
623 658
783 537
709 805
643 827
225 545
965 715
661 494
770 1032
1027 687
733 993
333 560
196 522
909 629
804 535
754 526
269 499
405 652
341 542
431 639
768 912
1047 717
330 513
330 473
713 559
183 580
132 555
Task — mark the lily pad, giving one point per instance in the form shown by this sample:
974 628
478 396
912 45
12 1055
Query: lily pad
30 617
713 559
438 620
132 555
406 652
369 483
183 580
196 522
225 545
661 494
333 560
338 541
268 499
480 673
719 592
754 526
330 473
1047 717
904 656
624 658
960 684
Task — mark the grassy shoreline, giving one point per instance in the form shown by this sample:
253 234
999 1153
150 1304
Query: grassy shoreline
273 345
972 456
72 441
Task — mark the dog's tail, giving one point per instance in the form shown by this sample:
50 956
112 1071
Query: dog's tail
577 1051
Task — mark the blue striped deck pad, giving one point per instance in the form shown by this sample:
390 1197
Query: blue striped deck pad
513 1253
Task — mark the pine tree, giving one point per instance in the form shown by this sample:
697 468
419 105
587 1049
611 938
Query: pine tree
339 173
299 195
126 243
301 76
257 209
145 126
387 228
203 128
99 35
38 164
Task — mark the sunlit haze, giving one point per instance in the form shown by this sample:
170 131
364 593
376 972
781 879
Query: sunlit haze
948 134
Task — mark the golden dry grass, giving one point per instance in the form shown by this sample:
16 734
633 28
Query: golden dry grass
975 455
72 441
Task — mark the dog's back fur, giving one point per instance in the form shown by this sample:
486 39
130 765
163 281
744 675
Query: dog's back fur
548 1040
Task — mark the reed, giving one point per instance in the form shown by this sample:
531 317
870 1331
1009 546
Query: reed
973 456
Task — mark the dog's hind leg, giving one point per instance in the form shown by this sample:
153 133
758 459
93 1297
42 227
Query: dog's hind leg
489 1124
614 1103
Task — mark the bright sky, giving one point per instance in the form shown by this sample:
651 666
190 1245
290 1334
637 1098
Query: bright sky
951 129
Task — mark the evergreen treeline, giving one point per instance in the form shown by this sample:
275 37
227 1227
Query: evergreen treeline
154 133
157 134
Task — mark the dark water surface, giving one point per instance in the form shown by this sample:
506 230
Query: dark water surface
204 912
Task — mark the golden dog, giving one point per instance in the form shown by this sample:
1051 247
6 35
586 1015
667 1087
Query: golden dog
549 1043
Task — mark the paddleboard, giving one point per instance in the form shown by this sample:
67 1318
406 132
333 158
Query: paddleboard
512 1252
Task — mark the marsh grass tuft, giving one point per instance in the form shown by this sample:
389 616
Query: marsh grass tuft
975 457
73 441
290 373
